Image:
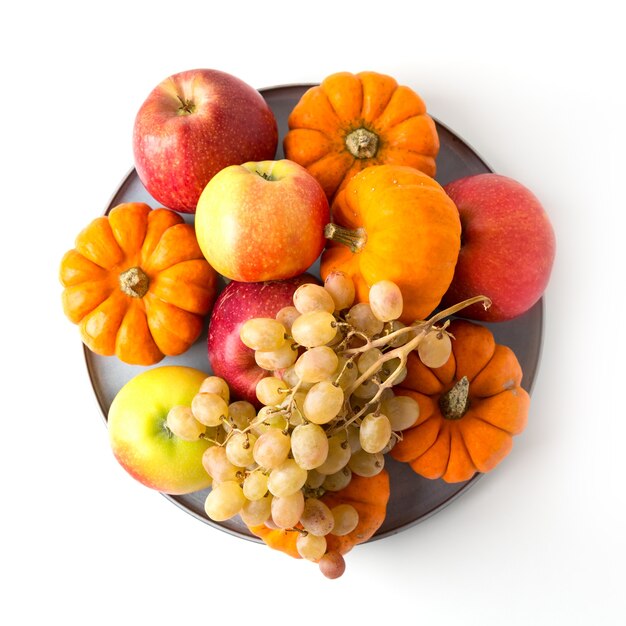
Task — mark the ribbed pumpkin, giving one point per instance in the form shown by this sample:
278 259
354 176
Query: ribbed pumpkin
352 121
396 223
137 284
470 408
369 496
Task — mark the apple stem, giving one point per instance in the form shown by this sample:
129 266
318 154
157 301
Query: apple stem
362 143
186 106
354 239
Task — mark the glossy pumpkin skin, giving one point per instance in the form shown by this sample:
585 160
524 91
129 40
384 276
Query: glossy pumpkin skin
369 496
497 408
156 309
411 235
352 121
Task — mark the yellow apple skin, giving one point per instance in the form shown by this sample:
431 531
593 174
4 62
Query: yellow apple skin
140 440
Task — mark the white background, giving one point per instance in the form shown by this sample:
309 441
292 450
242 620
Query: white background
537 88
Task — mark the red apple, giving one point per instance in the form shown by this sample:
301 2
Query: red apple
194 124
262 221
507 246
239 302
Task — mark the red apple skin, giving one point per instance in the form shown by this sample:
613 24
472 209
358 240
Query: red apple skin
177 151
507 247
262 221
239 302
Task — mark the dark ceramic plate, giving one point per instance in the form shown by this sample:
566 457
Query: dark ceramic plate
413 498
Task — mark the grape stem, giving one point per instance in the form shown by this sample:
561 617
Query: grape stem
422 328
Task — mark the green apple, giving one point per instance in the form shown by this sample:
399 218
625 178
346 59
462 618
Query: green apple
143 444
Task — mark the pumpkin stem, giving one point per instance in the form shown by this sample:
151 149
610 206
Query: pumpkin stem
354 239
455 402
362 143
134 282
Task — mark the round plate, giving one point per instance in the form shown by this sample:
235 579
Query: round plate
413 498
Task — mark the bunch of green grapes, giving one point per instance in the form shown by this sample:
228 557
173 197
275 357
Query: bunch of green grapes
329 410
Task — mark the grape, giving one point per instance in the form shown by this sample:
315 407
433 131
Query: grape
332 565
183 424
316 517
269 418
286 479
215 384
434 349
316 364
311 547
338 480
363 463
323 402
368 359
315 328
385 299
361 317
346 373
271 390
279 359
315 479
262 333
217 465
224 501
255 485
309 445
310 297
255 512
374 433
354 437
292 379
209 408
241 413
287 316
338 454
389 369
239 449
271 448
346 519
402 411
286 510
366 390
341 288
402 339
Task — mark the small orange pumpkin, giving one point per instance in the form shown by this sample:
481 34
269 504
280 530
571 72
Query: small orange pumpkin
352 121
393 222
137 284
470 408
369 496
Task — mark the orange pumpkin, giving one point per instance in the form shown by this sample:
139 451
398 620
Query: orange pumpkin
470 408
137 284
393 222
369 496
352 121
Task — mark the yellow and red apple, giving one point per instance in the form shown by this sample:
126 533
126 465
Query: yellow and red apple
192 125
140 439
262 221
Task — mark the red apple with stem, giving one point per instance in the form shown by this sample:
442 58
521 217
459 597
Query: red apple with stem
229 357
262 221
192 125
507 246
